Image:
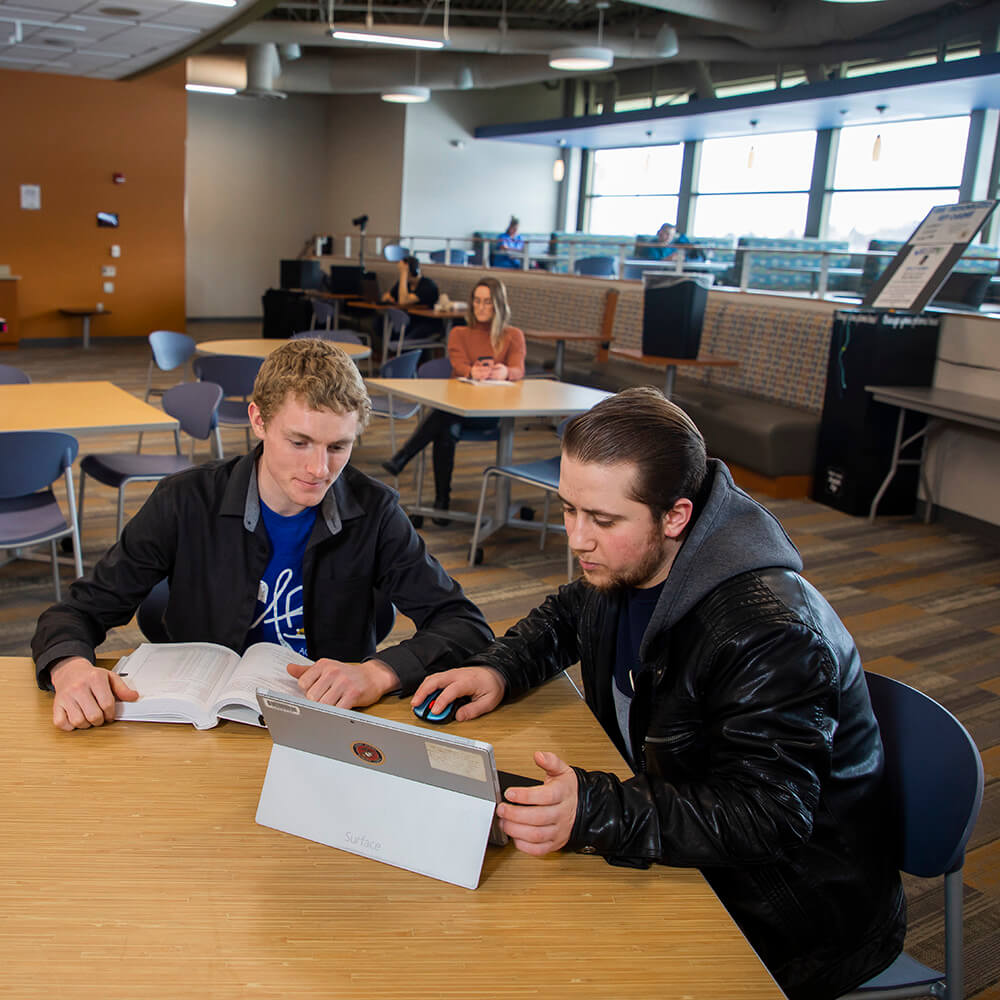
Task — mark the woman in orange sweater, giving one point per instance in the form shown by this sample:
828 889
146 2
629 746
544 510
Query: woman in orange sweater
487 348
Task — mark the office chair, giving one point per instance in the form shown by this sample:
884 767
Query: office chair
195 405
934 784
30 462
598 267
149 616
385 404
394 252
9 375
170 350
236 374
337 337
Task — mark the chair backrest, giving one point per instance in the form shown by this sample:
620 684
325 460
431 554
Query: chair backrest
394 252
9 375
170 349
195 405
933 777
337 336
599 267
435 368
234 372
405 366
323 311
396 319
33 460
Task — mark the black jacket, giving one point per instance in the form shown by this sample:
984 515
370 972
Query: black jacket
203 531
757 757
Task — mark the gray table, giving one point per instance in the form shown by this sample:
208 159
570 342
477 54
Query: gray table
941 406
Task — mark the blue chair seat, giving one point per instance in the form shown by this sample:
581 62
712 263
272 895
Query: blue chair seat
30 519
114 469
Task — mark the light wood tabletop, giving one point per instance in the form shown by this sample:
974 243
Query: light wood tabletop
77 408
259 348
131 867
671 364
506 401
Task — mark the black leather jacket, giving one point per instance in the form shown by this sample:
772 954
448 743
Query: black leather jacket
202 529
756 755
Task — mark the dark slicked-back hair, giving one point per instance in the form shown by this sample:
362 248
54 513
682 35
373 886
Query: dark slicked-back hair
644 428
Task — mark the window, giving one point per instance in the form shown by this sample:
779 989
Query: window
634 190
754 185
919 166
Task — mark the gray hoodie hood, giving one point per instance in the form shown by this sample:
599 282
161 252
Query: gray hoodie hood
732 534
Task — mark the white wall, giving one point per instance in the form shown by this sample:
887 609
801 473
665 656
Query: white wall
452 192
255 192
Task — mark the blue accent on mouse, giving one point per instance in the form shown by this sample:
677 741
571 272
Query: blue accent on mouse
423 710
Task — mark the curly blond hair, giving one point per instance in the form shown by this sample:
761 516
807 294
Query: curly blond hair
317 372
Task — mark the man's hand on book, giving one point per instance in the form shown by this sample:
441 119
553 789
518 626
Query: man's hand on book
85 694
346 685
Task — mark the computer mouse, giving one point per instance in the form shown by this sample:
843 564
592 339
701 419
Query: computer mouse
423 710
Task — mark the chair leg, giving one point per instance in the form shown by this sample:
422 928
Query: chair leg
121 511
74 520
953 969
55 570
479 518
218 444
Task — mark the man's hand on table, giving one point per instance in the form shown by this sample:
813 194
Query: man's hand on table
539 819
346 685
483 685
85 694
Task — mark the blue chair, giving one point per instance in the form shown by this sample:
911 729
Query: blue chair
396 322
934 785
387 405
9 375
598 267
456 257
236 374
394 252
170 351
30 462
195 405
149 617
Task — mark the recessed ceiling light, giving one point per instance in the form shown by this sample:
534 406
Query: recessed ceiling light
582 57
407 95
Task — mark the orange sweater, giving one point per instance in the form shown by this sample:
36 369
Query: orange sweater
466 344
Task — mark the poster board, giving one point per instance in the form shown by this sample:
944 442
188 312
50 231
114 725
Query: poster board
925 260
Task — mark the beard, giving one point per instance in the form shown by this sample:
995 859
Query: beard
658 553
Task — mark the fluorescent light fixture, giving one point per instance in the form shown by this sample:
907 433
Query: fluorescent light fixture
407 95
364 36
854 1
204 88
582 57
215 3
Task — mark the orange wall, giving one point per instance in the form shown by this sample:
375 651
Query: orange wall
69 135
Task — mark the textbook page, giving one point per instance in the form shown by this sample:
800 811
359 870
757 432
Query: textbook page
263 665
485 381
175 681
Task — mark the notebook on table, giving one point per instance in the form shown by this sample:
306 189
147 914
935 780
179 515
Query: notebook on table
411 797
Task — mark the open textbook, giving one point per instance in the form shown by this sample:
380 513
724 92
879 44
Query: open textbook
201 682
485 381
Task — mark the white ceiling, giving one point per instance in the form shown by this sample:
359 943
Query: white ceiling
500 41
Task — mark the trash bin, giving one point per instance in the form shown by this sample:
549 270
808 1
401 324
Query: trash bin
673 311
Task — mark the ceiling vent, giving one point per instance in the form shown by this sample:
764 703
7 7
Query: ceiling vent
262 67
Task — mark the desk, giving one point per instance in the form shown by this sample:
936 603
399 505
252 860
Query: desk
78 408
131 869
560 337
527 398
262 348
84 314
940 406
670 364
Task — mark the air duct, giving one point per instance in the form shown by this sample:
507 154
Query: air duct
262 67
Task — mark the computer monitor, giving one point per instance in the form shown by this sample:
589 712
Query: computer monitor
301 274
345 279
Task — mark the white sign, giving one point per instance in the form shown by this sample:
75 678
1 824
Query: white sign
952 223
31 196
914 271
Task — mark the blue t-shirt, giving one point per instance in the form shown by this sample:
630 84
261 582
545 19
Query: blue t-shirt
637 610
278 616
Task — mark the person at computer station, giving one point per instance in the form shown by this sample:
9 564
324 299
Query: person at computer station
414 289
487 348
730 687
289 544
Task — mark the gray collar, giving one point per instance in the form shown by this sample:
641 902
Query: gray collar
328 508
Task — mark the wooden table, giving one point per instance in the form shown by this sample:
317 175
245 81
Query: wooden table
257 348
131 868
671 364
559 337
527 398
84 314
78 408
940 406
